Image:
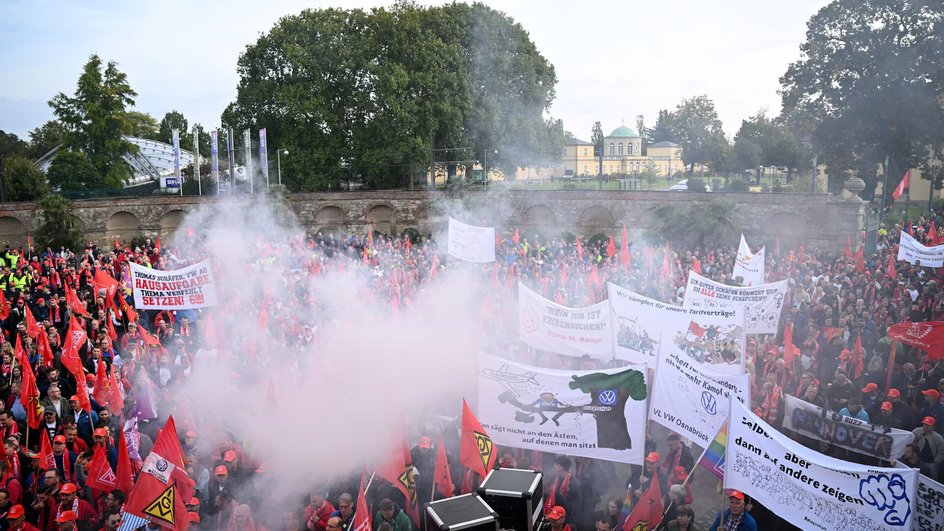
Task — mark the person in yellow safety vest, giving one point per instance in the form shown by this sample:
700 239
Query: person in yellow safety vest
5 278
12 258
21 279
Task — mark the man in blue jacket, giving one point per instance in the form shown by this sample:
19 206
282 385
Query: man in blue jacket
734 518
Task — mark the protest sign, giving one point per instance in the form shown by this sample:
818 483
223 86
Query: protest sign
762 304
846 432
928 336
749 266
692 402
598 414
180 289
471 243
546 325
911 251
812 490
929 506
711 339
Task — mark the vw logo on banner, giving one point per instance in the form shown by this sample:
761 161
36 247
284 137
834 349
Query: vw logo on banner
607 397
709 402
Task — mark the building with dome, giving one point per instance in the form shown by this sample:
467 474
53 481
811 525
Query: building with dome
622 156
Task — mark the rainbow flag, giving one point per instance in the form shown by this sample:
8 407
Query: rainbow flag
713 458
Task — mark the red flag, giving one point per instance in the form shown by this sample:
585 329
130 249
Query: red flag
847 250
857 357
891 270
163 487
75 339
579 249
117 402
148 338
905 183
47 460
624 249
610 248
100 474
647 514
32 328
112 333
124 478
104 281
696 265
932 234
891 366
129 312
696 330
515 237
117 245
103 389
4 306
398 470
361 514
29 392
777 248
476 450
45 349
790 350
441 476
860 260
928 337
74 303
157 245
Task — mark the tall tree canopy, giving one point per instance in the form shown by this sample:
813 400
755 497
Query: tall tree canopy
366 90
871 82
697 129
96 117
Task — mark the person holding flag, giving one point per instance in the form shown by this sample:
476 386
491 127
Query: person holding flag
476 450
734 518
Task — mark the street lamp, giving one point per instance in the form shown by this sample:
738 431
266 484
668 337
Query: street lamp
230 159
278 159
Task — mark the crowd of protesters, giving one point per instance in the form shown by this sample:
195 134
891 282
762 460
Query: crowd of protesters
839 306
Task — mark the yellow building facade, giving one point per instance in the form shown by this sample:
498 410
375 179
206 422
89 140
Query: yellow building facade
622 156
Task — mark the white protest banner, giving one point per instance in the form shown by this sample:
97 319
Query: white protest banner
762 304
546 325
598 414
691 402
713 340
749 266
911 251
180 289
929 507
846 432
471 243
812 490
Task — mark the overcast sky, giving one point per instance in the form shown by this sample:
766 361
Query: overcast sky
182 54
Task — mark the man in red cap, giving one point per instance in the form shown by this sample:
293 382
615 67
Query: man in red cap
85 515
900 409
930 447
101 439
66 521
652 471
872 398
65 460
557 518
932 408
734 518
219 483
886 417
16 519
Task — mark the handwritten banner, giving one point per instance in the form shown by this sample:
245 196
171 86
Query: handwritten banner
546 325
471 243
762 304
180 289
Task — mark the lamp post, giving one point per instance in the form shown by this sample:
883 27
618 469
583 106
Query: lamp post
230 158
278 160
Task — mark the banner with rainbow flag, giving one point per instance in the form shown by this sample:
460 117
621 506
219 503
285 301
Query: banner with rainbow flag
713 458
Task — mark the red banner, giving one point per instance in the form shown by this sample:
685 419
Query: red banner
928 337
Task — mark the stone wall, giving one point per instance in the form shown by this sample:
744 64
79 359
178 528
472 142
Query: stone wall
820 218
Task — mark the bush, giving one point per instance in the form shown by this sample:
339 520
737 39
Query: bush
696 184
22 180
737 185
59 225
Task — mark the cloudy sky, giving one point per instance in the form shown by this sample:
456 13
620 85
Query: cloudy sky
615 59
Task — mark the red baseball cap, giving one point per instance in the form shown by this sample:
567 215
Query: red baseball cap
221 471
16 511
90 377
928 421
736 494
66 516
887 406
68 488
229 456
931 392
556 513
73 398
191 434
426 442
59 439
653 457
894 393
869 387
100 432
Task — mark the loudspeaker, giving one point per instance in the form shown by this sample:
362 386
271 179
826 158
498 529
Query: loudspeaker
466 512
516 495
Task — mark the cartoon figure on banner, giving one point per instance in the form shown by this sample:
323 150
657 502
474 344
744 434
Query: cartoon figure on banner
631 336
884 493
767 313
608 395
717 345
510 380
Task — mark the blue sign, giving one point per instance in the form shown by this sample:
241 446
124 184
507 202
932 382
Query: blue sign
172 182
709 402
607 397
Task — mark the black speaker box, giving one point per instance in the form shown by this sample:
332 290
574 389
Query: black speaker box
516 495
467 512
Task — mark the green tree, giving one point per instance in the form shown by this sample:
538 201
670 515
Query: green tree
745 155
96 118
707 223
367 91
869 80
596 138
175 120
696 124
143 125
72 171
10 144
45 138
776 143
663 131
22 181
59 225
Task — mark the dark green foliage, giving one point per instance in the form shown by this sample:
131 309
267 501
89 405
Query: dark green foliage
59 226
708 223
71 170
22 181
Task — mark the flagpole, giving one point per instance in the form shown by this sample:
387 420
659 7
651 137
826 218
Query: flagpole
369 481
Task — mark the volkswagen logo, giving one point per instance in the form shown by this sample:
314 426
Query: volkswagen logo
709 402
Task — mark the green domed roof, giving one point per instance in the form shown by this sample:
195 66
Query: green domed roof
623 132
